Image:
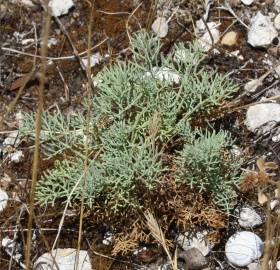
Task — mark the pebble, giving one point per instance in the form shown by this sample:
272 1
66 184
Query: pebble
164 74
262 31
16 157
260 114
247 2
243 248
11 247
3 199
277 5
52 42
65 260
12 139
197 241
193 259
27 3
94 60
249 218
108 239
273 204
277 22
254 266
60 7
230 38
160 27
205 39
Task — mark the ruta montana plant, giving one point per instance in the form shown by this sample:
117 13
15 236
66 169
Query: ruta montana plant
140 107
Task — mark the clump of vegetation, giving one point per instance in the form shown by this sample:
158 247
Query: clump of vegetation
207 166
141 105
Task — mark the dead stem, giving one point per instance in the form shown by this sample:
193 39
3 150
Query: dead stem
87 132
44 52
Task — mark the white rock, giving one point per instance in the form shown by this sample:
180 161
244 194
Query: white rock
24 2
65 260
276 138
254 266
51 42
260 114
3 199
198 241
139 250
277 5
278 265
249 218
242 248
11 248
160 27
26 41
205 39
19 118
27 3
16 157
273 204
262 31
108 239
247 2
164 74
277 22
12 139
93 60
60 7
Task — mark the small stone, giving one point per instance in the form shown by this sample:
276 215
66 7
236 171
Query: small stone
277 5
197 241
193 259
60 7
160 27
205 39
65 260
262 31
276 193
230 38
277 22
273 204
12 139
108 239
19 118
260 114
243 248
94 60
278 265
52 42
3 199
247 2
164 74
27 3
11 247
249 218
16 157
254 266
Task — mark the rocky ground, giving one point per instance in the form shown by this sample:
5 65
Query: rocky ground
240 38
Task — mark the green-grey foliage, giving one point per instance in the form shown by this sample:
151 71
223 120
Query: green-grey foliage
139 106
206 163
59 132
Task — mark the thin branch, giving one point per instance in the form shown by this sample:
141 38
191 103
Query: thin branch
44 52
54 58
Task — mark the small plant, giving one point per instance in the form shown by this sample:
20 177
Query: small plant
140 106
206 164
